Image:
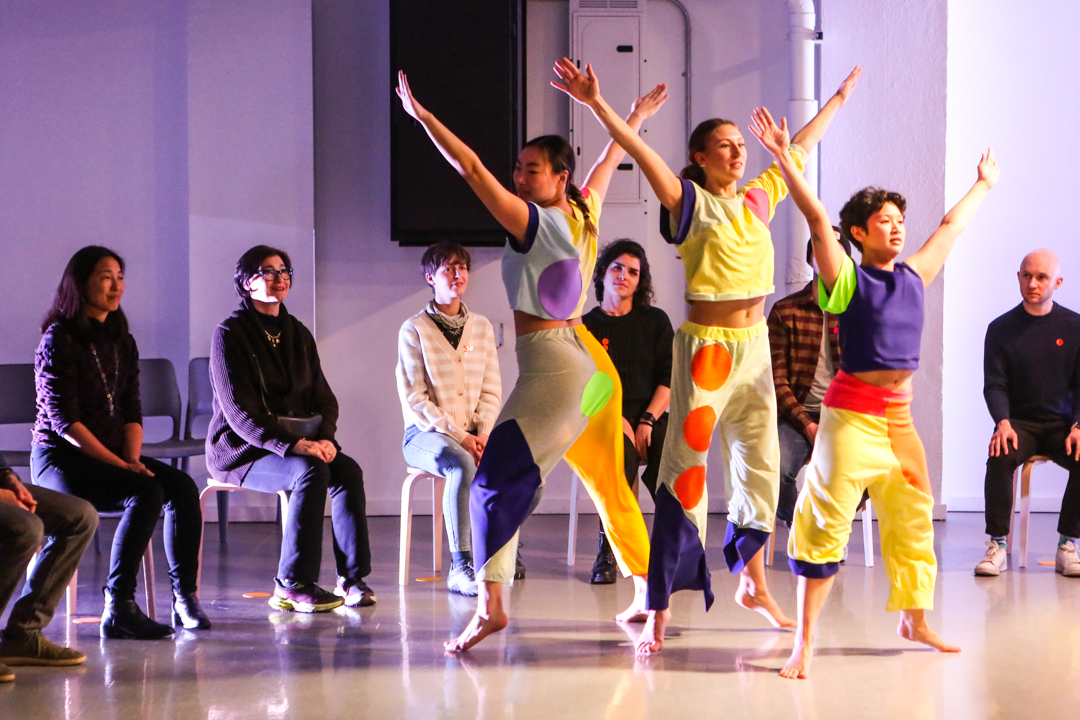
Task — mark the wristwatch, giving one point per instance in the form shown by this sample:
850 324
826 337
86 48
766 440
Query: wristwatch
648 417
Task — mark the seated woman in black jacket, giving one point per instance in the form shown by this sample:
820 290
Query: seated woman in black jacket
268 384
88 442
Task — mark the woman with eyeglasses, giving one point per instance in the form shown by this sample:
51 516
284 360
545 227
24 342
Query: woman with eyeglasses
273 428
88 442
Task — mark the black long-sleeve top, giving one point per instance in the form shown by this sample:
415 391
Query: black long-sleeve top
242 428
71 389
639 344
1031 366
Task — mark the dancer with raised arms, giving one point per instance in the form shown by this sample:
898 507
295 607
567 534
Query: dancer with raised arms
722 371
567 400
866 439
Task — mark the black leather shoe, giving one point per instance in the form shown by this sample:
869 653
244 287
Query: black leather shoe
605 570
187 613
122 618
785 508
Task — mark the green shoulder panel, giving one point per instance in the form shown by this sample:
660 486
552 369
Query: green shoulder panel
842 291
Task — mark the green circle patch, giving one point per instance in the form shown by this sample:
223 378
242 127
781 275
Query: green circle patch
597 392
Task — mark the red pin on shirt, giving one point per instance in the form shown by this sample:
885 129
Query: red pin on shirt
1060 342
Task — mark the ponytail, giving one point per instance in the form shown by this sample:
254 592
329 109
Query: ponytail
574 195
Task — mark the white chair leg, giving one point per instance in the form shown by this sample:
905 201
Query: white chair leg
405 538
770 547
571 543
73 594
203 497
1025 511
148 581
868 533
1009 547
437 484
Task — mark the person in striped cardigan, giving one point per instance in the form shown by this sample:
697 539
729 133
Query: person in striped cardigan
451 391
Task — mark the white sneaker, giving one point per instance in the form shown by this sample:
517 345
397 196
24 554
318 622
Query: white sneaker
1066 561
997 561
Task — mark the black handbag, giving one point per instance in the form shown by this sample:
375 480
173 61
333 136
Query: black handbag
305 427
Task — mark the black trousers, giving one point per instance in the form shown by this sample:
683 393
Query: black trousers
1047 438
631 461
309 480
141 498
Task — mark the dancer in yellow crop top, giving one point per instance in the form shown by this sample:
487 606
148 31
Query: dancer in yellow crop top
567 401
721 371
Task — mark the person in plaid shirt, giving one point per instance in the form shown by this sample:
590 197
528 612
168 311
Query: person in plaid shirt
802 367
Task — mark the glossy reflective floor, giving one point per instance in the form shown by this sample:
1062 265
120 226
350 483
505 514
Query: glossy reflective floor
562 656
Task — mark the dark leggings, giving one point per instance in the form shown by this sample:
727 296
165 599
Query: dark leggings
655 451
141 498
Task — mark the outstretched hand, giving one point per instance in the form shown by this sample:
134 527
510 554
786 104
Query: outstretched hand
848 86
408 102
645 107
775 138
988 168
583 87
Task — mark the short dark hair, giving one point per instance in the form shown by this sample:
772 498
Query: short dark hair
67 304
444 253
863 204
643 296
251 262
839 237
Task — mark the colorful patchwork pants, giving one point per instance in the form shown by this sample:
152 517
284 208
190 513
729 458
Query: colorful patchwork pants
867 441
567 402
721 378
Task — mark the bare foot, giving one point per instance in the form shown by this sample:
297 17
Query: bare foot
479 628
913 626
751 597
637 612
798 665
652 635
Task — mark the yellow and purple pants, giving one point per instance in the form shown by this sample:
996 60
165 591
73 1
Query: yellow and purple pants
866 440
567 403
721 379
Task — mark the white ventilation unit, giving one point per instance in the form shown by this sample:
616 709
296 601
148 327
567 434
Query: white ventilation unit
607 34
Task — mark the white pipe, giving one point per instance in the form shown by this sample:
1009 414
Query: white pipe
802 106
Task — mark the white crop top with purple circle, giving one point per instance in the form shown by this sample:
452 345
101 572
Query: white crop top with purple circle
548 273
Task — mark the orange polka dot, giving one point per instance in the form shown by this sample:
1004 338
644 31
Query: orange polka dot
1060 342
690 486
710 367
697 428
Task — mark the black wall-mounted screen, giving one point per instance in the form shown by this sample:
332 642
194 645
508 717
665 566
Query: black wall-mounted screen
465 64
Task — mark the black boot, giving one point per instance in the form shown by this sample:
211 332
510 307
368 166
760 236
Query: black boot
122 618
187 613
605 570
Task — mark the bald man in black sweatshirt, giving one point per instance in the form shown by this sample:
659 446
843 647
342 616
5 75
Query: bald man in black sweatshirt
1031 370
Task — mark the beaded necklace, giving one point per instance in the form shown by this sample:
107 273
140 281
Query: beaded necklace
104 381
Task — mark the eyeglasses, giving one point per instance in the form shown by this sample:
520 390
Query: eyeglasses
270 274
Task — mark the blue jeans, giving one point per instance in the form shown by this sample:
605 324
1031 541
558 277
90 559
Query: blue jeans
440 454
795 449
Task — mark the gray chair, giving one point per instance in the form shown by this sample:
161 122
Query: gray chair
18 405
160 397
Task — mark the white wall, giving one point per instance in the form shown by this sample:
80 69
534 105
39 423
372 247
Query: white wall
892 133
1005 89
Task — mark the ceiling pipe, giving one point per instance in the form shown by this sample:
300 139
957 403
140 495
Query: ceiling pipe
802 107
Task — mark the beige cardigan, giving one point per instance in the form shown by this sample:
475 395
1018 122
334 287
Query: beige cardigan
447 390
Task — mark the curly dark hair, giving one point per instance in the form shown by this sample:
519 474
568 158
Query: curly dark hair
251 262
643 296
67 304
862 205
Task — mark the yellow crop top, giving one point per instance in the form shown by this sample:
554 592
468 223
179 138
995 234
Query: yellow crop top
549 272
725 243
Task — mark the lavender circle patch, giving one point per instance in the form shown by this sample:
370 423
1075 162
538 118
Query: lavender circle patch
559 288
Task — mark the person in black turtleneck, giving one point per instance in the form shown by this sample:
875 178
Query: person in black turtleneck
264 366
88 442
637 337
1032 389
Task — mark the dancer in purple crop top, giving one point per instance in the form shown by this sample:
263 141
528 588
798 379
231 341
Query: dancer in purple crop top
866 440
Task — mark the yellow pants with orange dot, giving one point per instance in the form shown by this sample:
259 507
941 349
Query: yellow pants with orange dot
867 441
721 381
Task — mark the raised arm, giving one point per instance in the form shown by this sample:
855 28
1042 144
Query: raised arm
509 210
644 108
811 135
931 256
585 89
828 252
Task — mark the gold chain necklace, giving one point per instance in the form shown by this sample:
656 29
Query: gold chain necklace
274 339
